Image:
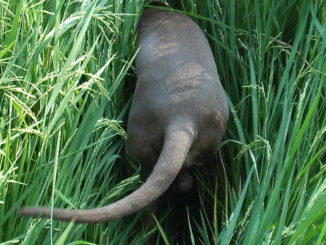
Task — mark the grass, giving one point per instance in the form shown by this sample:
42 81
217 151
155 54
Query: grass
66 80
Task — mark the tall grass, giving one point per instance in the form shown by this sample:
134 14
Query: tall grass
66 80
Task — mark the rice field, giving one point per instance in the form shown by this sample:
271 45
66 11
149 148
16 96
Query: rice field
66 82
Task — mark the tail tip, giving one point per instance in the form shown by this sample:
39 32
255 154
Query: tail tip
21 211
26 211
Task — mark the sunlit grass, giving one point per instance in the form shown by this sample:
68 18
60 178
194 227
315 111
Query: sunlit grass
66 80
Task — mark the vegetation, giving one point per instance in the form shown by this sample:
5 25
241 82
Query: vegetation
66 82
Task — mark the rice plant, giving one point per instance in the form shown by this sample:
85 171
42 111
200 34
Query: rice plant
66 83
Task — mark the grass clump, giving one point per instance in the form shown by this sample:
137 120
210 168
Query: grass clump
66 79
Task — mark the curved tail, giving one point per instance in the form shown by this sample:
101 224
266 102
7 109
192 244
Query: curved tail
177 141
